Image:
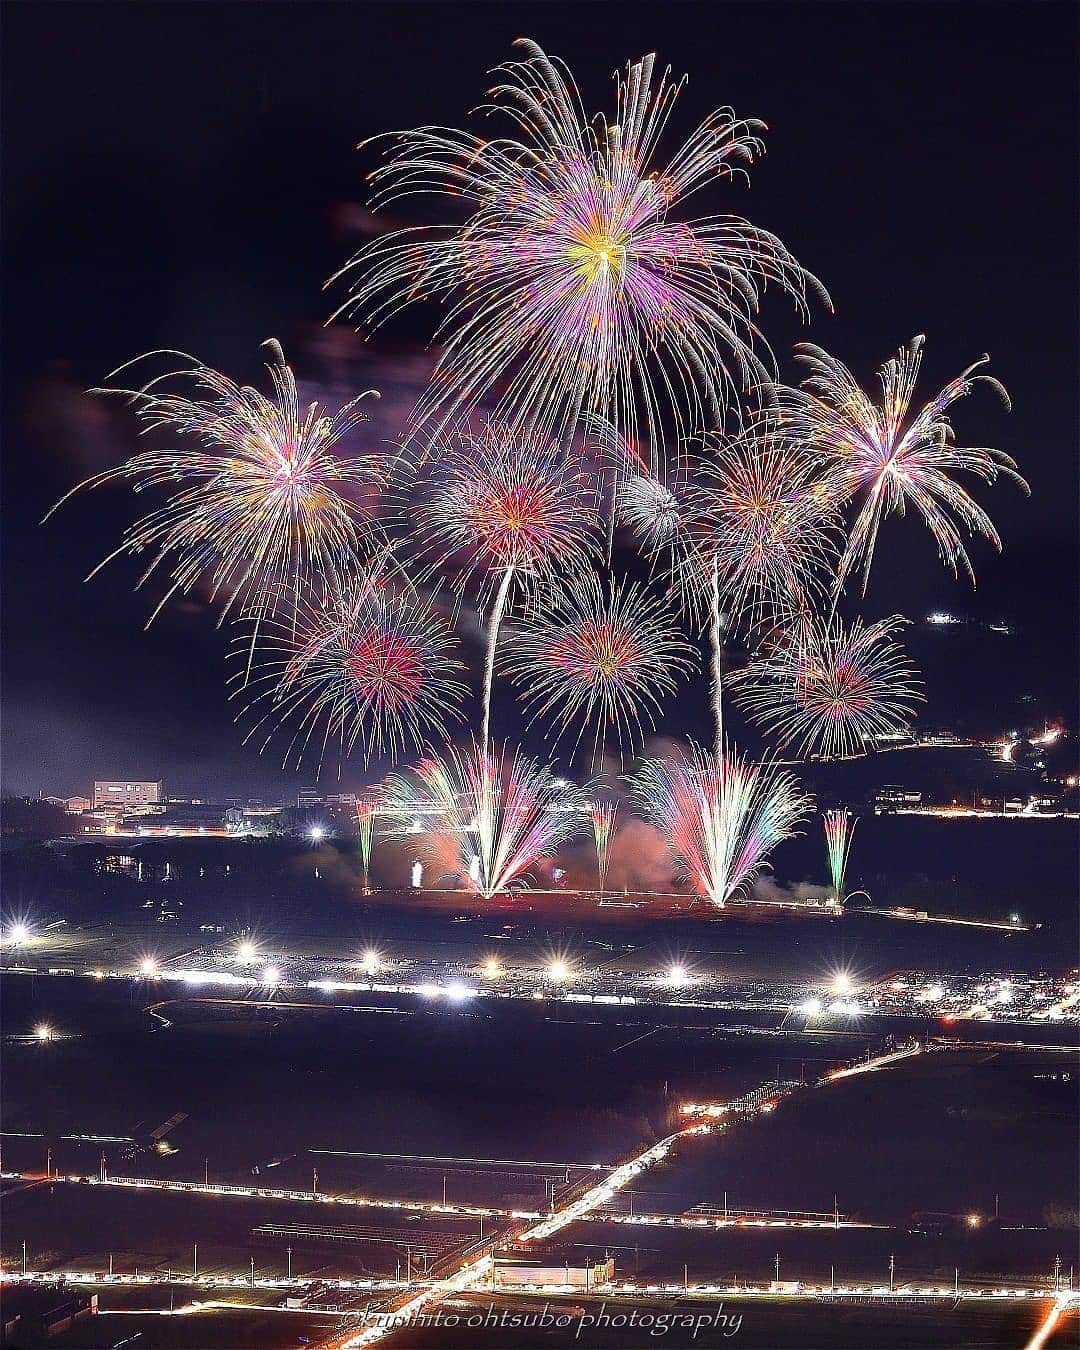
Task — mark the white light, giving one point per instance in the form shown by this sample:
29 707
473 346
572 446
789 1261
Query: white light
429 990
18 933
811 1007
558 971
316 833
371 962
269 975
492 969
148 967
43 1032
841 983
459 992
246 953
677 976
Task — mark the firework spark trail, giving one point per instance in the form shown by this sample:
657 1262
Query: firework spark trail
367 806
602 815
828 689
570 274
365 667
899 459
839 832
509 508
261 507
721 815
763 528
499 812
595 654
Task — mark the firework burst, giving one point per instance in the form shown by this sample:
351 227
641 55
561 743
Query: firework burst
721 815
263 501
839 832
763 533
596 654
830 690
602 815
897 458
367 667
500 813
508 508
571 274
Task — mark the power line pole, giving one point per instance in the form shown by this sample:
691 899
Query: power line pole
892 1272
288 1252
195 1261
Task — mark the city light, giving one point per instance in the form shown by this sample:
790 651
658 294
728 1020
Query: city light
974 1220
148 967
371 962
43 1032
811 1007
558 972
246 953
270 975
841 982
458 992
492 969
19 934
677 977
316 833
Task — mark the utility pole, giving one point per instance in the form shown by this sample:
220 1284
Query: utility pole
725 1205
206 1172
956 1281
252 1259
288 1252
777 1264
1057 1273
836 1212
102 1172
24 1256
195 1261
685 1277
48 1164
110 1263
997 1206
444 1188
892 1272
832 1279
314 1181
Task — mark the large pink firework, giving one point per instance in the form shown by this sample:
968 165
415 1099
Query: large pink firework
366 667
831 689
606 656
571 282
896 457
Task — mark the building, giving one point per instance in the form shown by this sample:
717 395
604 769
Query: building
32 1316
892 798
124 795
75 806
508 1273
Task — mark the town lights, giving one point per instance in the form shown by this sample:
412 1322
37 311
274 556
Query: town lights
19 934
43 1032
316 834
810 1007
246 953
148 967
558 972
974 1220
371 962
677 976
492 969
841 982
270 975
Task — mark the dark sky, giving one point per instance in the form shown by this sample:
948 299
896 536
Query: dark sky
175 175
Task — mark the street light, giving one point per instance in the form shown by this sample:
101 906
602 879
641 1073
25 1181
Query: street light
43 1032
558 971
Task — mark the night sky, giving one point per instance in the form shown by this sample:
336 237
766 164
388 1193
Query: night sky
186 176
